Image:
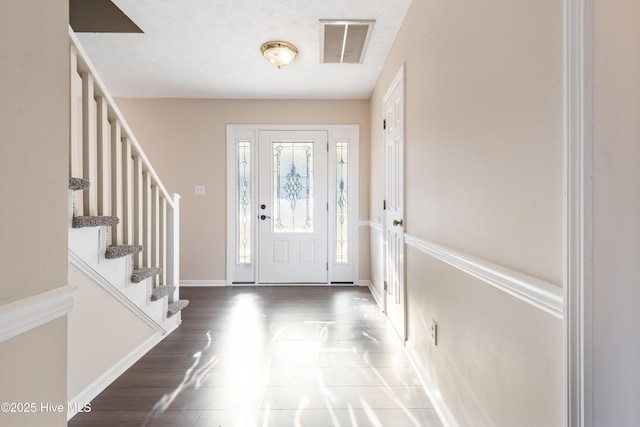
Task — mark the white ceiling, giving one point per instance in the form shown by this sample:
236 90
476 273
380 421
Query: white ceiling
211 49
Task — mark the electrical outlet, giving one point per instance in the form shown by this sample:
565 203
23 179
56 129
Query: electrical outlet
434 332
199 190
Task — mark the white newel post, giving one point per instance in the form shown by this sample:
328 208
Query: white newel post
173 243
163 241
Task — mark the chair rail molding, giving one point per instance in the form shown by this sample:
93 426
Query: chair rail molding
23 315
536 292
371 224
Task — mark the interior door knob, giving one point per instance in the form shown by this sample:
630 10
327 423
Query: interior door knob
398 222
263 217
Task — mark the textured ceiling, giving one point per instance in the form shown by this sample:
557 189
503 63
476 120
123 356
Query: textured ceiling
211 49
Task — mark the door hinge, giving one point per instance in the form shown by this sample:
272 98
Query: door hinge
327 206
384 205
386 286
327 147
384 124
327 266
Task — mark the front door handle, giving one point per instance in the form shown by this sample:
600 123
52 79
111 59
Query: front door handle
398 222
263 217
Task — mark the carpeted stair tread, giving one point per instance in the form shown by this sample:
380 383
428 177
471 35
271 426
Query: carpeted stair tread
120 251
78 184
139 274
94 221
160 292
176 306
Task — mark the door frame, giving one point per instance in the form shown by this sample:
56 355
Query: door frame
578 83
247 274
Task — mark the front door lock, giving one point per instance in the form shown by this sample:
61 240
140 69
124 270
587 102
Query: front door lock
263 217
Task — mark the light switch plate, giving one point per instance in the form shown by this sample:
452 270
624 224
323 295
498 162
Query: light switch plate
199 190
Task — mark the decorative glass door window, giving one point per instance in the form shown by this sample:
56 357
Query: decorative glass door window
292 204
293 187
342 202
244 202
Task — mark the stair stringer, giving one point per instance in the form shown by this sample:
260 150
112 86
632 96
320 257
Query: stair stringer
101 281
86 251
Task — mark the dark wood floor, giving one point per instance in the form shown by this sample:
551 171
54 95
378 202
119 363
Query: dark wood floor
270 356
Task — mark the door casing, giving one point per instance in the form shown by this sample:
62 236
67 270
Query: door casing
337 272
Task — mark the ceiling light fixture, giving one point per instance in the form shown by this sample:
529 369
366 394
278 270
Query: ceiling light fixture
279 53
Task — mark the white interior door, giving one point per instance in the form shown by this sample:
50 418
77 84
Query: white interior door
292 207
394 214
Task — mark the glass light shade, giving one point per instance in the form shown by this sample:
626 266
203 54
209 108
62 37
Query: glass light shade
279 53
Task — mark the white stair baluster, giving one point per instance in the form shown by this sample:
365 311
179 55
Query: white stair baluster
89 144
116 180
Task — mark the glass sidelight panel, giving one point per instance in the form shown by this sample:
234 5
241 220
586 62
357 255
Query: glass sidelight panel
342 202
244 202
292 187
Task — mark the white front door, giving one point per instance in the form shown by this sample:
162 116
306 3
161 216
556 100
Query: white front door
394 223
292 207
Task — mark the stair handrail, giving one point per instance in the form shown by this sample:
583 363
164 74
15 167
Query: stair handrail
85 63
126 184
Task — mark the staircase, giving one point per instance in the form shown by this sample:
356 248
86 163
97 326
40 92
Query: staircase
124 224
113 267
123 231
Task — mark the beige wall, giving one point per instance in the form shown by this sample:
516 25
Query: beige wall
34 118
96 341
616 215
186 143
33 368
37 224
484 177
498 361
484 130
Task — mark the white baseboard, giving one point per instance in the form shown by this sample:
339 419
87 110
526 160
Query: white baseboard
222 283
104 380
375 293
203 283
432 391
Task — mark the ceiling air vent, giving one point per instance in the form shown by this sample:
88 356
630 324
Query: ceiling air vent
344 41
